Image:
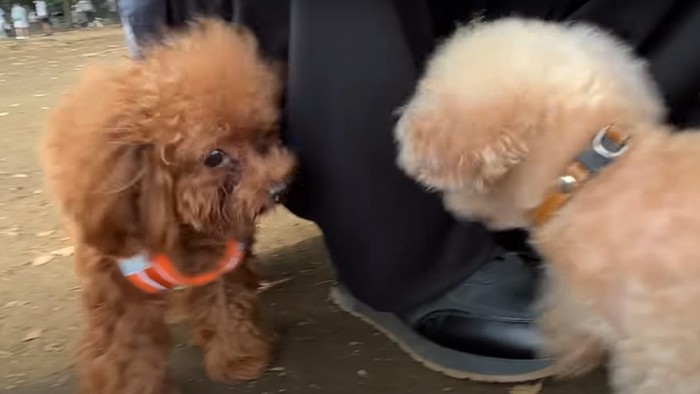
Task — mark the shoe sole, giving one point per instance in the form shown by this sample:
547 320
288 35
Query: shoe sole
455 364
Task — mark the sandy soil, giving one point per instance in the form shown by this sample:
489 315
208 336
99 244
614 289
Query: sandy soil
324 350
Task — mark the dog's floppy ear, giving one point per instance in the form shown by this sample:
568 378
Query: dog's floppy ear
449 147
157 204
107 214
131 207
97 154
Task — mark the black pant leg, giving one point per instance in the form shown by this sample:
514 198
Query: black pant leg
350 69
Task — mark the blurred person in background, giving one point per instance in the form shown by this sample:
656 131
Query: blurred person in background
42 14
89 10
2 24
112 9
20 21
84 13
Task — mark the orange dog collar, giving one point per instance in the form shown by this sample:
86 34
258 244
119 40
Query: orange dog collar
155 274
607 145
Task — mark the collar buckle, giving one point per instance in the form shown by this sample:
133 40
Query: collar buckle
610 143
606 146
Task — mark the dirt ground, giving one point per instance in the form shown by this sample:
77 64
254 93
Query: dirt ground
324 350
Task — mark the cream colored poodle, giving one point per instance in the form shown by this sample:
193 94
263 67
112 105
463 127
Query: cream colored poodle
558 128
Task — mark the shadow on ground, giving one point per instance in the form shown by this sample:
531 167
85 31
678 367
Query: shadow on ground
324 350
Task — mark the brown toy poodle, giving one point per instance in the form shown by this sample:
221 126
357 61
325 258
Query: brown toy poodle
160 168
559 129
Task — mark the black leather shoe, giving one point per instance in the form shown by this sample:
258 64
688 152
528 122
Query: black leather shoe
489 314
481 330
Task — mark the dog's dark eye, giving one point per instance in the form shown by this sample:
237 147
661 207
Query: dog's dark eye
215 158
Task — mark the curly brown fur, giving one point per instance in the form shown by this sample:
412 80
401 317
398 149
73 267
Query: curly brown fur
124 158
503 109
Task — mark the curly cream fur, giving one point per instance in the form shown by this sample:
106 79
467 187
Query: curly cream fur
503 108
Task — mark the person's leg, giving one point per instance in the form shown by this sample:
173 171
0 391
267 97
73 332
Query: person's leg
349 71
141 21
394 247
48 29
144 20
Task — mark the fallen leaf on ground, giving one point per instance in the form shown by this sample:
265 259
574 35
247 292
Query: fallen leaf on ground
265 286
41 260
533 388
32 335
65 252
53 347
61 381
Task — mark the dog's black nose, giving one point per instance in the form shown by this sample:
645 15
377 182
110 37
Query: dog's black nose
277 191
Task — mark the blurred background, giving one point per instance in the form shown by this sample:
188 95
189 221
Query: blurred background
66 14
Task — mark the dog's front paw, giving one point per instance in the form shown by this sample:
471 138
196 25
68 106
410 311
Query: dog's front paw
226 365
237 370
